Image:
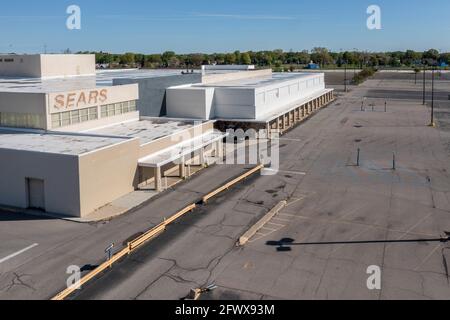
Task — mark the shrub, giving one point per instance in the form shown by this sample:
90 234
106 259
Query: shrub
363 75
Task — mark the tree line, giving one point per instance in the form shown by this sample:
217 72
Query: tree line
275 58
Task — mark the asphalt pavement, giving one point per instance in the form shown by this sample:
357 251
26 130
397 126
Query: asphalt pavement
332 202
335 204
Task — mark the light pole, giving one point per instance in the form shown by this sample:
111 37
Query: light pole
345 80
432 123
424 77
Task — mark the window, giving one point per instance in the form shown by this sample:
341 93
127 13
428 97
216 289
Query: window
75 117
93 115
56 120
84 115
9 60
67 118
116 109
132 105
104 111
110 110
22 120
125 107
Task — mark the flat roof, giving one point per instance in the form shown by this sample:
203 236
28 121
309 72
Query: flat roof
262 81
148 129
103 78
55 142
179 150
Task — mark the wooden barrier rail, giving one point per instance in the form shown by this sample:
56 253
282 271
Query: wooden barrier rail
147 236
231 183
131 246
105 265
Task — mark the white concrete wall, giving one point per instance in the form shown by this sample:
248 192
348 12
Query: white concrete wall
59 172
188 102
272 97
240 102
64 65
107 174
73 185
235 103
20 66
22 102
47 65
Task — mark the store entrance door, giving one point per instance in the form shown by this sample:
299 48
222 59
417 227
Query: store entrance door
36 194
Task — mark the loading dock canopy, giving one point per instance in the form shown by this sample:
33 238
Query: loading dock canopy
180 150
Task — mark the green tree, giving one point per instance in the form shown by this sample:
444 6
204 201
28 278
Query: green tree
166 57
230 58
173 62
245 58
321 56
431 56
127 58
238 57
197 59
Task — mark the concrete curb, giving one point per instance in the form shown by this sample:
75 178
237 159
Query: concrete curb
257 226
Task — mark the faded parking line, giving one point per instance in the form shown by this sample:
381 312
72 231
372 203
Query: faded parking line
18 252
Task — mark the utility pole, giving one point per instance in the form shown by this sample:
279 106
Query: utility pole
345 80
424 77
432 124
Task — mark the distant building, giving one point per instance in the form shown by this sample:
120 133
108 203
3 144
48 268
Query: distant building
312 66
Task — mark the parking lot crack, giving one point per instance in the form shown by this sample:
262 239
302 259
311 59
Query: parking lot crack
18 280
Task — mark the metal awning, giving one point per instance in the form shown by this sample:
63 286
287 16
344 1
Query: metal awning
180 150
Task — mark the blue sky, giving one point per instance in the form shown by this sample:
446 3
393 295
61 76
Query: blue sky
149 26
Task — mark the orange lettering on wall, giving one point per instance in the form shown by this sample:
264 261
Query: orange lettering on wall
77 100
93 95
81 99
103 95
59 101
71 100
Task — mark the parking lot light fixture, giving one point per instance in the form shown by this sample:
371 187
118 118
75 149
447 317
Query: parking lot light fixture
424 88
345 80
432 123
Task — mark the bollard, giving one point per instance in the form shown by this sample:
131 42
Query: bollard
385 106
357 158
